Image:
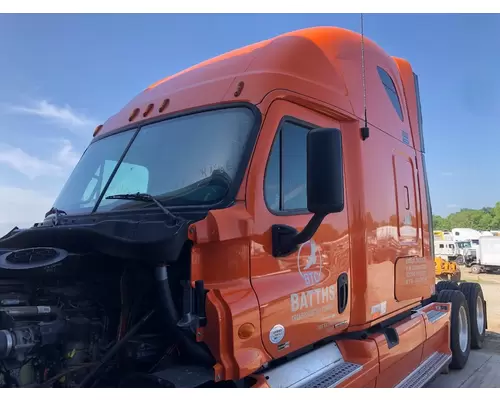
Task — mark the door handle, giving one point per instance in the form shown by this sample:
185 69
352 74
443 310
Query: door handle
407 198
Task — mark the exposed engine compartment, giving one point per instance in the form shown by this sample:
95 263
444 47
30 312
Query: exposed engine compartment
83 319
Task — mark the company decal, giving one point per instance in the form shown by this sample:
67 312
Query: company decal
310 262
311 302
312 298
379 309
277 334
415 270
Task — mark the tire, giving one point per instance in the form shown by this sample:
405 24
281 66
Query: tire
459 319
460 260
477 311
475 269
446 285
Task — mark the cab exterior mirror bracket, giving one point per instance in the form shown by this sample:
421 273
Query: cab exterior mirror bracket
325 189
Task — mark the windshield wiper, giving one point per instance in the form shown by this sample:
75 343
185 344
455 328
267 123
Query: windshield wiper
146 197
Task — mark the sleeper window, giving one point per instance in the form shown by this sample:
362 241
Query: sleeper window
391 91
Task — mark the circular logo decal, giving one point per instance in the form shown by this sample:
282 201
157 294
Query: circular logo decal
309 262
277 334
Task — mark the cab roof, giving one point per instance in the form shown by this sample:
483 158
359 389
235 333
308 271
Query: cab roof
323 63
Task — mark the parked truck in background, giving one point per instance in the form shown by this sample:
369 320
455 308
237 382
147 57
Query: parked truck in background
487 255
460 252
468 234
221 230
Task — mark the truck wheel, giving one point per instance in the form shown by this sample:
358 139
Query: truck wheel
475 269
475 301
446 285
460 337
460 260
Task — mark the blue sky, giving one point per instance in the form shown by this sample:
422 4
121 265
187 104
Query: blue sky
61 75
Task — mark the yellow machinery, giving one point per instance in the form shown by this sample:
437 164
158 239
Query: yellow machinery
446 270
439 235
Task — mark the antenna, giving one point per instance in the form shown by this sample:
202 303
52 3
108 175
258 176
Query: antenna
365 131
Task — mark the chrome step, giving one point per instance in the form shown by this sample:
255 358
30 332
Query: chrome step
434 315
333 376
321 368
426 371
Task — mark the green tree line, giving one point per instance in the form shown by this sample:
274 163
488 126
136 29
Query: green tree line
484 219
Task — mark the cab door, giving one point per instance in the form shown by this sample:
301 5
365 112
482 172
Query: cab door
304 296
406 199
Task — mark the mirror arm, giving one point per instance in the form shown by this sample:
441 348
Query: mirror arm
309 230
286 239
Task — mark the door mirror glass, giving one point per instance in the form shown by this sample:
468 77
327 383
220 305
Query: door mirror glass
325 171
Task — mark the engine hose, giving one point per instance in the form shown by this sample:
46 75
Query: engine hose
115 349
31 311
171 318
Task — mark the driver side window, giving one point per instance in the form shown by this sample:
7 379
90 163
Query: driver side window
285 189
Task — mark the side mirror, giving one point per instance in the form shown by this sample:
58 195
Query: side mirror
325 171
325 189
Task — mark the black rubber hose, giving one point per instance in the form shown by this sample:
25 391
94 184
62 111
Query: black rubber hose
171 318
112 352
30 311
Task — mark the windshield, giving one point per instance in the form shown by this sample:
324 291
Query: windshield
464 245
184 161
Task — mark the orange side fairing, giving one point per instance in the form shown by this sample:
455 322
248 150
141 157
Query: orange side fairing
220 258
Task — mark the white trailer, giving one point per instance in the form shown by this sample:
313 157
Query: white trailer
488 255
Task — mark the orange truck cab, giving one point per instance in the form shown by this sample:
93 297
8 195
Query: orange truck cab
271 207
